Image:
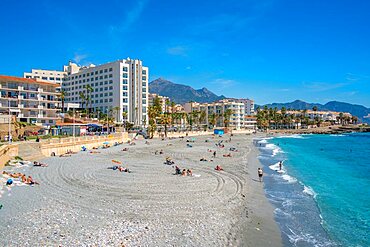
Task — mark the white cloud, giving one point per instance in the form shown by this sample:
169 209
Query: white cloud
79 57
131 17
177 50
188 68
223 83
323 86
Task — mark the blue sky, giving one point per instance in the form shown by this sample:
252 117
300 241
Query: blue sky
271 51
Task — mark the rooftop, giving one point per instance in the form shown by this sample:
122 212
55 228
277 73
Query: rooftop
6 78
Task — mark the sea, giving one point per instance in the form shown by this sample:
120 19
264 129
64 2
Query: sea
322 194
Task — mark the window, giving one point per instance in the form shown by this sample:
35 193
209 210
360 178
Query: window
110 69
83 75
106 94
144 78
96 72
124 69
110 88
124 81
110 75
44 78
96 84
101 101
105 70
124 94
58 79
92 78
101 83
110 94
124 100
106 76
101 89
101 77
51 78
124 75
110 100
110 82
105 100
101 95
124 87
88 74
144 101
144 72
106 82
101 71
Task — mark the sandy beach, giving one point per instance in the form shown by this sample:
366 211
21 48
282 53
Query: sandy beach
80 202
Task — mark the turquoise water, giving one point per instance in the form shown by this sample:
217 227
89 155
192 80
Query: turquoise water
322 196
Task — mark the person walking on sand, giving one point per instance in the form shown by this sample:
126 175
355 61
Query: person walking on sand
214 154
260 174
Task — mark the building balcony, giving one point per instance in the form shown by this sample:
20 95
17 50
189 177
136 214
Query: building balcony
40 90
20 106
20 97
20 88
40 107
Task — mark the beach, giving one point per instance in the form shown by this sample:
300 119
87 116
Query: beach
80 202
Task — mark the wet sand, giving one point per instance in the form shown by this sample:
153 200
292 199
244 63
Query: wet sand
80 202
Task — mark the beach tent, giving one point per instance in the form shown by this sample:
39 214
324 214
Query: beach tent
218 132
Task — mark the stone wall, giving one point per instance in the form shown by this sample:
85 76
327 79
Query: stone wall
62 145
7 152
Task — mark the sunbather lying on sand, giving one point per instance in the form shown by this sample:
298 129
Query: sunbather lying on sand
65 155
94 152
125 149
218 168
203 159
30 181
36 163
227 155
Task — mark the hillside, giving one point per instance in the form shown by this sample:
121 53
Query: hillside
181 93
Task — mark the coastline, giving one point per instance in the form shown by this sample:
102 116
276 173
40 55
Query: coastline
258 227
149 206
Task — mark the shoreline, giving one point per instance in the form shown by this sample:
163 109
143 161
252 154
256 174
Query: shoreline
149 206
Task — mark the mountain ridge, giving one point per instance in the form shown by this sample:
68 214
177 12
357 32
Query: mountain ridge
180 93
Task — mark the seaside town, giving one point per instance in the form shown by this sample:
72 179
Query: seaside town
90 100
184 123
68 133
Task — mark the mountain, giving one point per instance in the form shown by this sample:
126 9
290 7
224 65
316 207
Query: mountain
181 93
357 110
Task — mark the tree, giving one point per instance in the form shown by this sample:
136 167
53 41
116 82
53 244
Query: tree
212 119
117 109
62 97
227 115
153 112
83 99
89 90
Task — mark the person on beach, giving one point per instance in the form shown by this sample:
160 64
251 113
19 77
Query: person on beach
183 173
30 181
280 165
214 154
177 170
218 168
190 172
260 174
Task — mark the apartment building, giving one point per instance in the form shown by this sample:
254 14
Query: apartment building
121 84
162 101
53 76
29 100
321 115
218 108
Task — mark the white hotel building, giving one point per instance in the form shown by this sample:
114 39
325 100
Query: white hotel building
123 84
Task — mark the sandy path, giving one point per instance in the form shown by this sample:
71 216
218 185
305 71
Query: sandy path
81 202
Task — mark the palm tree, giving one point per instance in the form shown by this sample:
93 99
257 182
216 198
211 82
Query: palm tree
117 109
89 90
212 119
124 118
83 99
62 97
153 112
227 114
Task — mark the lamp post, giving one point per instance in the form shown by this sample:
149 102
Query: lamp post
9 123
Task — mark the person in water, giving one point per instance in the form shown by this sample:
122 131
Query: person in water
260 174
280 165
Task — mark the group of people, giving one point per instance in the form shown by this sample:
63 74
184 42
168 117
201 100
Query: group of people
121 169
184 172
23 178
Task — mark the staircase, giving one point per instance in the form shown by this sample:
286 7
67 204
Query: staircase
30 151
